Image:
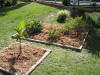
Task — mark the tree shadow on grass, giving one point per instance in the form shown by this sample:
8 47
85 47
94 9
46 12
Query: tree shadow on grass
93 42
4 10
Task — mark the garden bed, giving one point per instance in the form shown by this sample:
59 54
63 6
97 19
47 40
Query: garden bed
29 59
72 39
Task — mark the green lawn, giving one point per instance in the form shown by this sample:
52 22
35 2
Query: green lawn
60 61
10 17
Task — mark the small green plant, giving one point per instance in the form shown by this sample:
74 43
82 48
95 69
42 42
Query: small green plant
33 26
62 15
53 34
20 33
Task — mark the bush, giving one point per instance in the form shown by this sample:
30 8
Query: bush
93 19
66 2
54 34
8 2
1 3
62 15
76 23
33 26
14 2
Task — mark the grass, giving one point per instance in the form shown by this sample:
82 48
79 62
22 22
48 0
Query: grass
68 62
60 61
10 17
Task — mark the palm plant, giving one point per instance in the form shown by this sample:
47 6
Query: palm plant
20 33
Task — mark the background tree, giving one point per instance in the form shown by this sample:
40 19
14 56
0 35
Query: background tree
66 2
14 2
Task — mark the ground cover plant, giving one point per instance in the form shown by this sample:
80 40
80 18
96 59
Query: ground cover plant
61 61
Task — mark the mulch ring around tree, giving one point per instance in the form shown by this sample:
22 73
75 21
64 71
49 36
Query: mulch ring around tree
29 56
71 37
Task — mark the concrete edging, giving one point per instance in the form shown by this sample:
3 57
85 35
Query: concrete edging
53 43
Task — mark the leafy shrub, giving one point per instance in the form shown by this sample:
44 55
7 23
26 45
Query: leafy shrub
92 19
54 34
66 2
77 22
14 2
33 26
8 2
62 15
1 3
94 4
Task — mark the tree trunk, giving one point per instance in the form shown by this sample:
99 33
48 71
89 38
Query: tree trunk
19 49
78 2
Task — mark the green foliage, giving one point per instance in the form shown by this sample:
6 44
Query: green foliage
62 15
66 2
54 34
10 1
33 26
77 22
94 4
1 3
92 19
63 30
20 30
7 2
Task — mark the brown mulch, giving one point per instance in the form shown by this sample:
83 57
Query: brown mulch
72 37
29 56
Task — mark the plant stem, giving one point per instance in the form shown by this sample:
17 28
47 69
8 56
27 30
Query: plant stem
19 49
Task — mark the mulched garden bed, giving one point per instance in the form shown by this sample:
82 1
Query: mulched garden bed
72 37
30 56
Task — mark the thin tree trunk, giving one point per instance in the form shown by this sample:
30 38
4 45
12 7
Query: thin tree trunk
19 49
78 2
55 1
